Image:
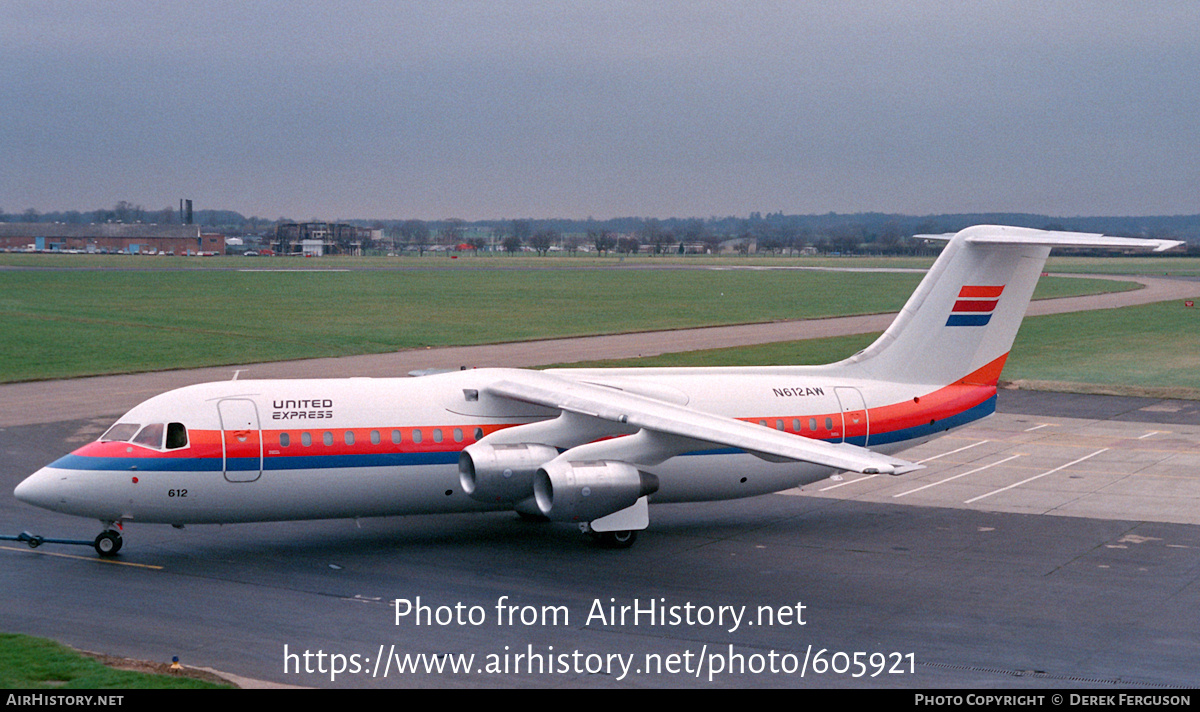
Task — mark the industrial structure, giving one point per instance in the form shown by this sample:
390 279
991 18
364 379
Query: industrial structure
111 238
322 238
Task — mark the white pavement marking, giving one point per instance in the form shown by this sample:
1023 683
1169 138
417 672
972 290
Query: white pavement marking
969 472
1038 427
843 484
1035 477
1152 432
965 447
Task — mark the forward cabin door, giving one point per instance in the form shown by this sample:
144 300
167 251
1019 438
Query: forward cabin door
855 426
241 440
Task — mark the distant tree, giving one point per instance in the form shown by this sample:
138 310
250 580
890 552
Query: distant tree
415 234
167 216
653 233
602 240
571 243
542 240
628 245
522 230
478 244
126 212
451 234
712 242
31 215
511 243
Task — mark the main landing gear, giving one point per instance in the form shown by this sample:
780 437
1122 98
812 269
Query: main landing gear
616 540
619 539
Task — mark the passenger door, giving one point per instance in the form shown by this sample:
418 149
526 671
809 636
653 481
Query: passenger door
241 440
855 427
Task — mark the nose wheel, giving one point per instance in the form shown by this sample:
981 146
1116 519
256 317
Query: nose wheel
108 542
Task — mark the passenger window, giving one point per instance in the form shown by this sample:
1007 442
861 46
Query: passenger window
396 437
305 439
458 435
285 439
437 435
121 432
812 424
375 437
349 437
795 425
176 436
416 436
779 425
829 423
478 433
150 436
327 438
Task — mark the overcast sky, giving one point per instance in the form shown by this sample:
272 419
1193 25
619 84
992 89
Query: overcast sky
355 109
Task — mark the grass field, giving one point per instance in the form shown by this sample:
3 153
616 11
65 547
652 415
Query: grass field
1150 265
64 323
35 663
1149 348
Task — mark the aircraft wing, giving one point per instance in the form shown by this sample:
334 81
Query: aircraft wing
702 429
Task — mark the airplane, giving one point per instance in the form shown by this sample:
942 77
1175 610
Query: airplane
592 447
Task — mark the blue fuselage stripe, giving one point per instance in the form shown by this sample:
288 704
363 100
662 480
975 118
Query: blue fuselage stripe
402 459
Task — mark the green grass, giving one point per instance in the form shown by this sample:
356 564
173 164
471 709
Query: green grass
431 260
1150 266
1152 346
36 663
65 323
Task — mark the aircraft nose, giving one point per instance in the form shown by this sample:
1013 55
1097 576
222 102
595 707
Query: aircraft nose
39 489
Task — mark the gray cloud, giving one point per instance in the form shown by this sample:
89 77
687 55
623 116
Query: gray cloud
485 109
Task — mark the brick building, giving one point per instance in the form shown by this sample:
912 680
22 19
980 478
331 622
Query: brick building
111 237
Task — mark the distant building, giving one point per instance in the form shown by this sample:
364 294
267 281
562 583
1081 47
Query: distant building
322 238
111 238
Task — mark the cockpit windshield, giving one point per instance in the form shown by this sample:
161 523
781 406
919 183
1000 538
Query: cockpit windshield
121 432
151 436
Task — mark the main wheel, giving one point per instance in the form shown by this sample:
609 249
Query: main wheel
108 543
618 540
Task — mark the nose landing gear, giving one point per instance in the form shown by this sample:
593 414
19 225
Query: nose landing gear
108 542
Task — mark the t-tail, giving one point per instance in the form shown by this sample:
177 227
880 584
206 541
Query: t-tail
960 323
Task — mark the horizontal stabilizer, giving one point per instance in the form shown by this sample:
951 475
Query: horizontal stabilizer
1004 235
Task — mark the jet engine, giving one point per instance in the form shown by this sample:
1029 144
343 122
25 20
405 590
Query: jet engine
583 491
501 473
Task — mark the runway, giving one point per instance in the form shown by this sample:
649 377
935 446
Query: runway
1036 586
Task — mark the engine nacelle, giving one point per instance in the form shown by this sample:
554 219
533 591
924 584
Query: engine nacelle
583 491
501 473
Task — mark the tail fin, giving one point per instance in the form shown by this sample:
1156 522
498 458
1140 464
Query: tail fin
962 319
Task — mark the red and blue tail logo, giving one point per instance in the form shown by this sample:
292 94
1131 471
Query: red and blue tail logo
974 306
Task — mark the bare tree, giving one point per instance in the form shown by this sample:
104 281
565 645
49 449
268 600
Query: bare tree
415 234
542 240
603 240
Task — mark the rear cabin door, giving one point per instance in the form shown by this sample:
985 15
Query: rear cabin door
855 428
241 440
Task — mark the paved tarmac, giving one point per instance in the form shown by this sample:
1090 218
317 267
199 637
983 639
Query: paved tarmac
996 594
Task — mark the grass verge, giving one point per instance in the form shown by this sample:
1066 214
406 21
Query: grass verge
68 323
1151 350
36 663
